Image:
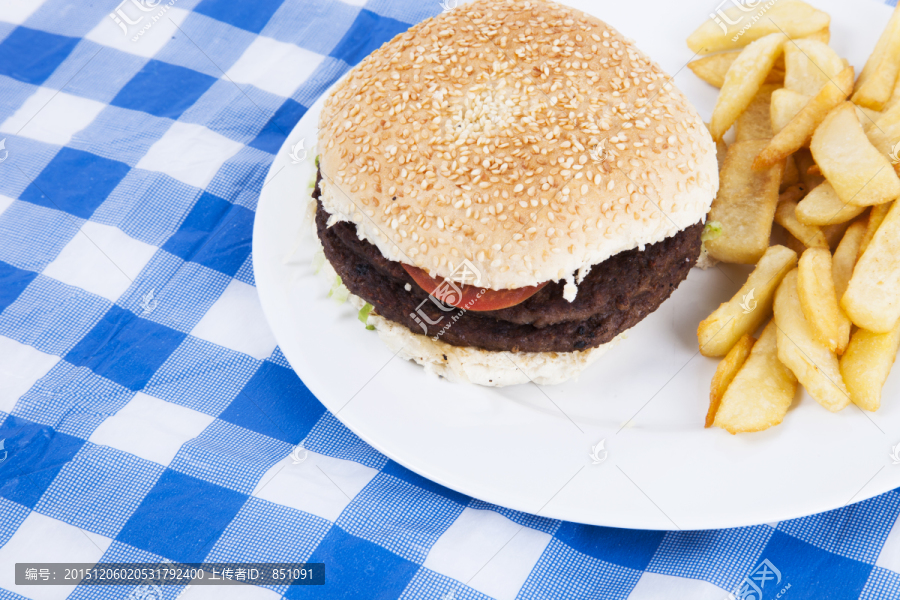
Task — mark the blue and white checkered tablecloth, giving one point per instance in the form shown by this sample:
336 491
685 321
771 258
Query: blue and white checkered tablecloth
146 411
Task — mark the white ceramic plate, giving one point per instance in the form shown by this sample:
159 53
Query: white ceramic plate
528 448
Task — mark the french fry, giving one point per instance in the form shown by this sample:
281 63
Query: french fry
809 65
868 118
747 310
860 174
794 18
761 392
879 76
800 349
884 134
743 80
712 68
745 205
872 300
809 236
725 372
815 286
755 123
866 365
822 207
798 131
823 35
844 258
876 218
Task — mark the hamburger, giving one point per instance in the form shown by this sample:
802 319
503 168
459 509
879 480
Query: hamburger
507 188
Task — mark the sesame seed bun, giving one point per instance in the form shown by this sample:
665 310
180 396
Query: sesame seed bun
527 137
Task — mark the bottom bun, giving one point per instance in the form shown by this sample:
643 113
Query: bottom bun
474 365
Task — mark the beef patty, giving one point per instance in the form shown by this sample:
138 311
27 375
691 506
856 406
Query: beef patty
616 294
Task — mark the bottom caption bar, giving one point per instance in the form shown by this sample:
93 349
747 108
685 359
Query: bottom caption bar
170 573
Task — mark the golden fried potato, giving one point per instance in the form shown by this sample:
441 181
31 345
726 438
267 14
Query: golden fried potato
747 310
785 215
876 217
712 68
743 80
809 65
800 349
822 207
761 392
794 18
755 123
879 76
844 259
859 173
745 205
867 363
872 300
791 175
884 134
725 372
815 286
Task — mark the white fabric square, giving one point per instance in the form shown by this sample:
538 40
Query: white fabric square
42 539
5 201
126 34
51 117
274 66
17 11
20 367
319 485
236 321
102 260
471 544
150 428
653 586
190 153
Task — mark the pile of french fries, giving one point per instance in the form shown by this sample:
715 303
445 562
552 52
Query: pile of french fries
807 194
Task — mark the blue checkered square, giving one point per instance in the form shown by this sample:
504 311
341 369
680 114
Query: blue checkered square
241 178
163 90
23 223
429 584
182 517
215 234
125 348
76 182
882 584
72 400
31 55
36 454
355 568
400 516
121 135
96 72
13 94
26 159
311 25
49 315
331 437
206 45
728 554
250 17
245 273
276 130
64 18
99 489
267 532
563 572
229 456
13 283
355 46
238 113
202 376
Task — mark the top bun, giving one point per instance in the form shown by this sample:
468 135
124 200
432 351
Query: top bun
527 137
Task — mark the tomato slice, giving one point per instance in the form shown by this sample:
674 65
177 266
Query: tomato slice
471 297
